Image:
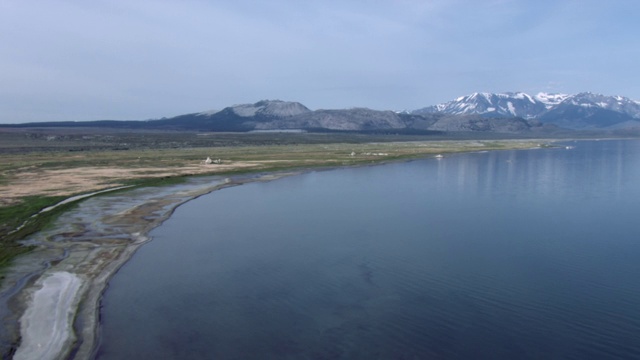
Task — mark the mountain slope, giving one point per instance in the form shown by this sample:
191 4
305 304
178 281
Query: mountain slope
584 117
243 117
613 103
490 105
587 110
270 109
357 119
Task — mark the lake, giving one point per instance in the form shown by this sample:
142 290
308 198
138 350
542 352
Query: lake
497 255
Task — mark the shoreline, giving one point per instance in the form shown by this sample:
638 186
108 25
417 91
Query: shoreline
94 255
78 256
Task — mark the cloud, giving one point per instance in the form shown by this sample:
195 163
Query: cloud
83 60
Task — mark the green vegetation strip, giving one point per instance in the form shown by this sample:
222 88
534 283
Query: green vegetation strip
19 221
27 217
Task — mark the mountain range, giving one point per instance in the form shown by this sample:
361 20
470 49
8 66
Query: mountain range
277 115
509 112
580 111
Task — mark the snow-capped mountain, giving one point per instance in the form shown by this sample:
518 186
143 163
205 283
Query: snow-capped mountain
507 104
583 110
505 113
588 110
614 103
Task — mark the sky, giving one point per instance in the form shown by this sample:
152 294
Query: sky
145 59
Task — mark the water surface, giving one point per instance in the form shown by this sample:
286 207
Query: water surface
497 255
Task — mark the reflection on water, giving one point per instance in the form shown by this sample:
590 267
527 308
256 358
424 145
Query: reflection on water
501 255
609 167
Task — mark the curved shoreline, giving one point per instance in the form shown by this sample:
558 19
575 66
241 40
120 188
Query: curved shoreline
95 240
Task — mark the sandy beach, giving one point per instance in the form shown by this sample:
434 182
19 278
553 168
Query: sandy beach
47 323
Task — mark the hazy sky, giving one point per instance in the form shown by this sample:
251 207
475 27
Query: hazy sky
141 59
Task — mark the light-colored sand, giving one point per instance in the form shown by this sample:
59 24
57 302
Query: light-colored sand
46 326
64 182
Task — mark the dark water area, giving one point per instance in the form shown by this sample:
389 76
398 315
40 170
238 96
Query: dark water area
500 255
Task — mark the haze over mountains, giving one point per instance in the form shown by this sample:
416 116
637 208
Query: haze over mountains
509 112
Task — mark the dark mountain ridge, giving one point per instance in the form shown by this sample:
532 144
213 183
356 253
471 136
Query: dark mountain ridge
507 113
276 115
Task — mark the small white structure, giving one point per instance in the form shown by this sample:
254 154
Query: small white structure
208 161
352 154
439 156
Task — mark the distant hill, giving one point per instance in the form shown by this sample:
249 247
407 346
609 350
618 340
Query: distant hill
237 118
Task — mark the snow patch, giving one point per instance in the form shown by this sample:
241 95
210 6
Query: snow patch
512 109
550 100
245 110
208 112
531 100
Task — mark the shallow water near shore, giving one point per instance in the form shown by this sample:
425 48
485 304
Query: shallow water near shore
87 243
501 255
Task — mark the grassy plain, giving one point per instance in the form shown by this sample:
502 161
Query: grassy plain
40 167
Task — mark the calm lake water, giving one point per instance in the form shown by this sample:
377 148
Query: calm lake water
499 255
